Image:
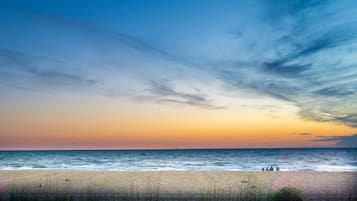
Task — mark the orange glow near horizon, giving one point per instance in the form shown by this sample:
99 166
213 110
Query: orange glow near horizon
142 126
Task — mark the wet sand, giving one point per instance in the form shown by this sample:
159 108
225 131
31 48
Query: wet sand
171 183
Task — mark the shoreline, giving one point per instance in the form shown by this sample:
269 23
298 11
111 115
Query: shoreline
169 170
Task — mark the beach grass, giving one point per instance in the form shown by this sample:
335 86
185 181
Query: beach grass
175 186
284 194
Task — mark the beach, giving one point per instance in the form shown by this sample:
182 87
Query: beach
178 183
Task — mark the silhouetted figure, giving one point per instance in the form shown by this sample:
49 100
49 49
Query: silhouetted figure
277 168
262 169
271 168
266 169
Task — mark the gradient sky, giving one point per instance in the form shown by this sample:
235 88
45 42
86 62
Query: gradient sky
177 74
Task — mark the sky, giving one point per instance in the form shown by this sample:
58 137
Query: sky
177 74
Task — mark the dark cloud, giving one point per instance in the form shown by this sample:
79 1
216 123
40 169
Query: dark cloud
315 46
303 134
58 77
347 141
280 67
333 91
349 119
337 114
341 141
165 93
326 139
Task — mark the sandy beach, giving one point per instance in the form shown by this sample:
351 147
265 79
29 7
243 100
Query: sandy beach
171 183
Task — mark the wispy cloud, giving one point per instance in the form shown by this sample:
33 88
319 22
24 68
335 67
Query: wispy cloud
282 68
334 91
309 62
17 64
121 38
61 77
162 91
303 134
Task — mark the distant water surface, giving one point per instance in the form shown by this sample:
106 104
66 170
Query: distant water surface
326 159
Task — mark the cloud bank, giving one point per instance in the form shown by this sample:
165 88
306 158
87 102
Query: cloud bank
341 141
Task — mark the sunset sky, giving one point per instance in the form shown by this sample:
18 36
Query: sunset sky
177 74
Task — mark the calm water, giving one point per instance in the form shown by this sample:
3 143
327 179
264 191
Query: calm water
328 159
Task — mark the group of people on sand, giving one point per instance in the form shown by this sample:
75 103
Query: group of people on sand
270 169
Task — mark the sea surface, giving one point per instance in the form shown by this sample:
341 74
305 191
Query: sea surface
326 159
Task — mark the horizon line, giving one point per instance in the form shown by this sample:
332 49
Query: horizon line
172 149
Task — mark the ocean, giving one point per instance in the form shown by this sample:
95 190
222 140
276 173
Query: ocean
307 159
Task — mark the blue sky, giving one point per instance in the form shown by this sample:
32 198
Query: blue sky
199 54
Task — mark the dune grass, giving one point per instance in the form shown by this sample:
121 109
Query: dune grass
249 191
284 194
